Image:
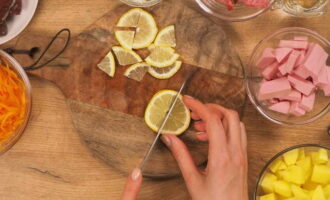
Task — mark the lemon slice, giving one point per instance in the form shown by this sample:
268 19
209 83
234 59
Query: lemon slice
125 38
157 109
165 72
108 65
146 31
166 37
126 56
130 18
162 57
137 71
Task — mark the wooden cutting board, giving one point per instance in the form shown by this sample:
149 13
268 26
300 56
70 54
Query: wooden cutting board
108 113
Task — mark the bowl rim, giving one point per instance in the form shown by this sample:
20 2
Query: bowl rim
276 156
208 10
28 92
141 5
249 92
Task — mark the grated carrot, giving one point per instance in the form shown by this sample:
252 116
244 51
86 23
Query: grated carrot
12 102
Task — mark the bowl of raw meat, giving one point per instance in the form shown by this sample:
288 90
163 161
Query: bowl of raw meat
288 76
15 15
235 10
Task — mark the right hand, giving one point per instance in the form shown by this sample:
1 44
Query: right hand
225 177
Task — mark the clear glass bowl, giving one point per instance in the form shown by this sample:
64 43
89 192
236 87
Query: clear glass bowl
141 3
292 7
5 146
307 147
239 13
253 78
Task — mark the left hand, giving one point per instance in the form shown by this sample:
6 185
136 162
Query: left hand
133 185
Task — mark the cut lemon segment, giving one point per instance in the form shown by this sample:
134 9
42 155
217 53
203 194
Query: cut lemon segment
137 71
130 18
126 56
166 37
146 31
108 65
125 38
162 57
157 109
165 72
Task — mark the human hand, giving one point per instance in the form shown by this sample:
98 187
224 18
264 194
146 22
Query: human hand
225 177
133 185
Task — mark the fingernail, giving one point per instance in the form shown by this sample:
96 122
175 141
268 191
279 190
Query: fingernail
136 174
166 140
190 97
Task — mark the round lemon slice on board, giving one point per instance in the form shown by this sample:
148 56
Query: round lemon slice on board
146 31
130 18
166 37
165 72
162 57
137 71
157 109
108 65
125 38
126 56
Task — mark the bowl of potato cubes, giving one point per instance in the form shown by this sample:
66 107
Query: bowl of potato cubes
298 173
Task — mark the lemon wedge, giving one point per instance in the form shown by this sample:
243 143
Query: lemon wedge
108 65
157 109
166 37
125 38
162 57
137 71
126 56
165 72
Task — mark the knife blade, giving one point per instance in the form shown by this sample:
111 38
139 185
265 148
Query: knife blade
167 116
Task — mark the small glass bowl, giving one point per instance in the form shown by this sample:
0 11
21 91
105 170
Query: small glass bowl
292 7
239 13
15 66
253 78
307 147
141 3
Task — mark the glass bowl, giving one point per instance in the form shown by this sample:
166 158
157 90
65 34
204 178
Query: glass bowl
141 3
16 67
239 13
307 147
253 78
292 7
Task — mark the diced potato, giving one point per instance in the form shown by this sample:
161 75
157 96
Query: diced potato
268 197
316 158
323 156
309 185
282 188
299 193
267 183
306 164
290 158
277 165
295 174
321 174
302 154
326 190
318 194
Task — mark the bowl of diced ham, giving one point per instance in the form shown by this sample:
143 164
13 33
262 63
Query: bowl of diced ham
288 76
235 10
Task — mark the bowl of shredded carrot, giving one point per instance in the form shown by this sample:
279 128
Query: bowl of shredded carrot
15 101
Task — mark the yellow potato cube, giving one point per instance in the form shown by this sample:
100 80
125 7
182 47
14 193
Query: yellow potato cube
321 174
318 194
309 185
268 197
295 174
299 193
323 156
317 159
290 158
282 188
306 164
326 190
277 165
302 154
267 183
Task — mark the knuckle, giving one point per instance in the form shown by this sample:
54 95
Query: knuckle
233 114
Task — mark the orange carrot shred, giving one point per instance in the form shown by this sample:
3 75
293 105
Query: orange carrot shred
12 102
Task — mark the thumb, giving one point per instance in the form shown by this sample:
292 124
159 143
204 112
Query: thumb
133 185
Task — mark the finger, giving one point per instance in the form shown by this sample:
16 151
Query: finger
200 126
213 126
232 121
188 168
202 136
194 116
133 185
224 120
243 136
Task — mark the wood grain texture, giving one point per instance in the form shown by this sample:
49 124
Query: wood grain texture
201 43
